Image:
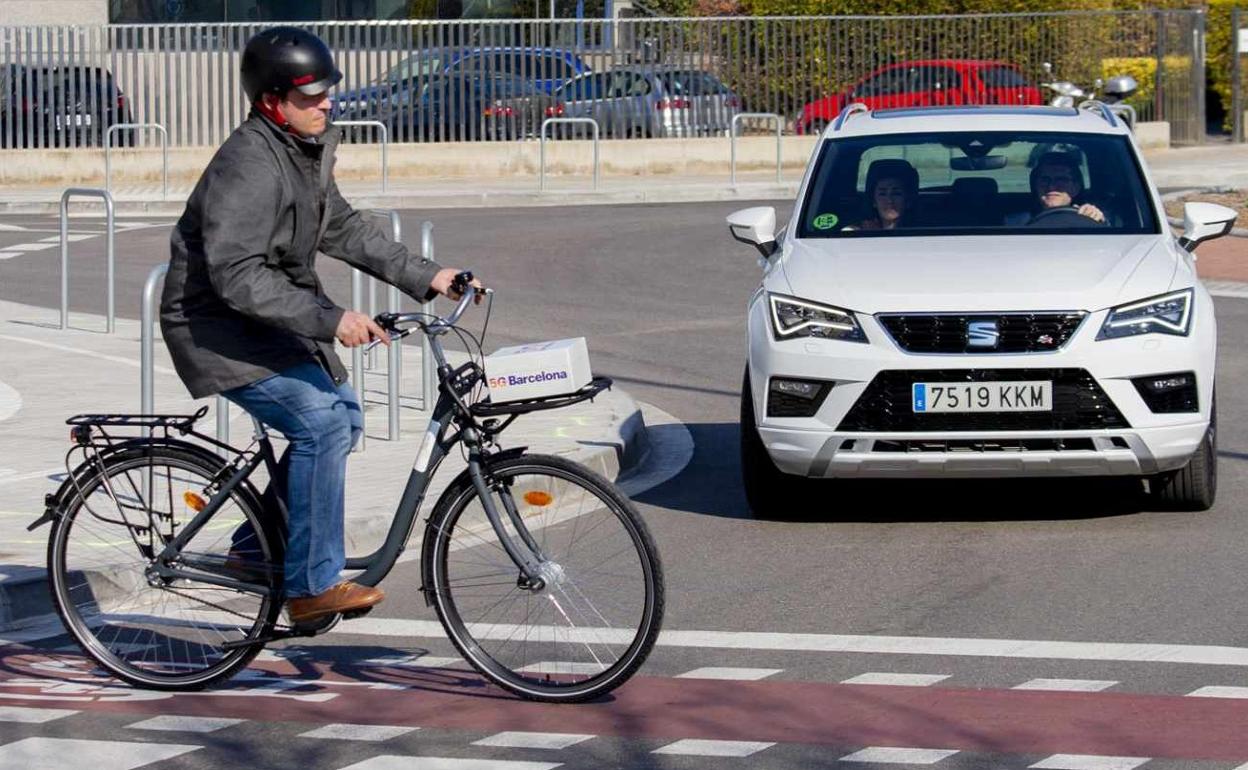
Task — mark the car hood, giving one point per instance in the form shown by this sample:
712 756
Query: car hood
980 273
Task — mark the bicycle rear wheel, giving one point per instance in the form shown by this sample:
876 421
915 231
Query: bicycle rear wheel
592 624
163 634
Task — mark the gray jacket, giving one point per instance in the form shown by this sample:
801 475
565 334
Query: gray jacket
242 299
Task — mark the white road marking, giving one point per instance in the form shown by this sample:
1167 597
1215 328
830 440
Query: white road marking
413 661
10 401
522 740
1066 685
1219 692
71 237
24 247
694 747
184 724
901 680
11 228
1088 762
345 732
390 762
84 352
725 672
52 753
8 479
562 667
32 715
889 755
10 254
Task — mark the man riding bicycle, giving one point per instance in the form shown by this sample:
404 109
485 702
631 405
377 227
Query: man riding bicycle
244 313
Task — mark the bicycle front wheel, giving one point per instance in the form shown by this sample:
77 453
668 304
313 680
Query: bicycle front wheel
169 634
594 620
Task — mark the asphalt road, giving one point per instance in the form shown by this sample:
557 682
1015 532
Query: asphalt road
660 293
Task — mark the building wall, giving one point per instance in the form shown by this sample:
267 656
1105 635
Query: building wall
21 12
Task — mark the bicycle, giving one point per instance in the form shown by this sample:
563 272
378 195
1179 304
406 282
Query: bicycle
542 573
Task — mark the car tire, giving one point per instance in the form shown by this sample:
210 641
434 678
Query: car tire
1194 487
770 492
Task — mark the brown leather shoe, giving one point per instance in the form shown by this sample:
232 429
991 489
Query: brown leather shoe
344 597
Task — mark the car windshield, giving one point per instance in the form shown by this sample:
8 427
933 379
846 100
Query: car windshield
419 65
692 83
977 183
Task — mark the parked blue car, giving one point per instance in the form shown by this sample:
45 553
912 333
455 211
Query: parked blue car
545 68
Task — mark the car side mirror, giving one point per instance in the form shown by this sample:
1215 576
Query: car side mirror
1204 222
757 227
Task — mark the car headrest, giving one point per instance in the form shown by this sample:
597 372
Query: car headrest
974 186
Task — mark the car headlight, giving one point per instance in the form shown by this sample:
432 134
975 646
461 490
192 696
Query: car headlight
791 318
1167 314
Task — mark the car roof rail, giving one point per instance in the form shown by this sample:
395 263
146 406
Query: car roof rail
1102 109
848 112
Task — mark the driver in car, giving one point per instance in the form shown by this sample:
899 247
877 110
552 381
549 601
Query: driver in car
1057 182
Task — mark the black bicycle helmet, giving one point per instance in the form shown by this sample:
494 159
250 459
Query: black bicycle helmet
281 58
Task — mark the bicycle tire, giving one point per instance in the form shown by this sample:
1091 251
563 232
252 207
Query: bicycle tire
89 617
551 680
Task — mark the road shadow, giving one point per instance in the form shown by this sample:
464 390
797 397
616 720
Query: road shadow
711 485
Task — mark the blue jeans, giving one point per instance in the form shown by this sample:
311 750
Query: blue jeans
322 421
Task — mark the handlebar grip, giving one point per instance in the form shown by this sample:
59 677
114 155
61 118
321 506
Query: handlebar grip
461 281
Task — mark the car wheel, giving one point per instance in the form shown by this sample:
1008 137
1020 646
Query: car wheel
1194 486
770 492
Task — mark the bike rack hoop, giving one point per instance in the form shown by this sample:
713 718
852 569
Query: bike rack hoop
164 154
736 119
541 164
385 146
110 251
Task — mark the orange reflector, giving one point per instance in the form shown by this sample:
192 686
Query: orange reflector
194 501
538 497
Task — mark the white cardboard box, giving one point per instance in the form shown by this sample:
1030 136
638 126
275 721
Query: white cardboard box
538 369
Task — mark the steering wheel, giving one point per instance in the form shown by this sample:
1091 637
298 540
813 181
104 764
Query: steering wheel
1063 216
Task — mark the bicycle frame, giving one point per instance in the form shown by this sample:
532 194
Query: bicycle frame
449 410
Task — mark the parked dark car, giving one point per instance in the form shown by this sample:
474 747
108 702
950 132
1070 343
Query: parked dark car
60 107
931 82
407 82
469 108
650 101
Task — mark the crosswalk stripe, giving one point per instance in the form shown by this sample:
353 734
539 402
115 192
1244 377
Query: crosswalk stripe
10 254
525 740
694 747
349 732
185 724
1065 685
900 680
51 753
562 667
890 755
392 762
1088 762
727 672
29 246
32 715
1215 691
413 661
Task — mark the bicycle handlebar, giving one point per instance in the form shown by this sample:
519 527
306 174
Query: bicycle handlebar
390 321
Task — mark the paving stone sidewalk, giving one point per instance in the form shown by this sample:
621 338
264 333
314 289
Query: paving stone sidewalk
49 375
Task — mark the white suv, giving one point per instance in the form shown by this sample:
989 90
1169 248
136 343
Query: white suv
974 292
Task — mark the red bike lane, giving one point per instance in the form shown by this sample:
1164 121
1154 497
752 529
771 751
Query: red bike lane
990 721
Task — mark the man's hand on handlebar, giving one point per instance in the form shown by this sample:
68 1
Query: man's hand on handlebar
445 284
359 329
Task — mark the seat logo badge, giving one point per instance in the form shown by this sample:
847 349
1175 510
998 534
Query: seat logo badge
982 334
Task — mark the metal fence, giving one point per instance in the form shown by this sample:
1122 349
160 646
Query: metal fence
479 80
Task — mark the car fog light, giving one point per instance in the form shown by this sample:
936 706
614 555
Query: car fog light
795 398
1168 393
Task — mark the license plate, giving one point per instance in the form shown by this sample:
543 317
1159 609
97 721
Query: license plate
1030 396
64 121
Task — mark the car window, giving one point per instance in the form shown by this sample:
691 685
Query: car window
693 83
421 65
582 89
972 183
890 81
934 78
554 67
1002 77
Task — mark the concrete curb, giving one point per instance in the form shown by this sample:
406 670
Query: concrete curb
25 593
660 193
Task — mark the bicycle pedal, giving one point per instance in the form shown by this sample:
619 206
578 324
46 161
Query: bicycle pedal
353 614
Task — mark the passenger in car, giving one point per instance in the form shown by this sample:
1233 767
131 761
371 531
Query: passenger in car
892 193
1056 182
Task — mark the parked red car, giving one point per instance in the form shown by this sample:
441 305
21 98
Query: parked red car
930 82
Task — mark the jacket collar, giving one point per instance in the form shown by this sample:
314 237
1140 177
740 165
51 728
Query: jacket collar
328 140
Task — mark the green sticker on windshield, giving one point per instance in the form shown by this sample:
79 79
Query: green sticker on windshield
825 221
